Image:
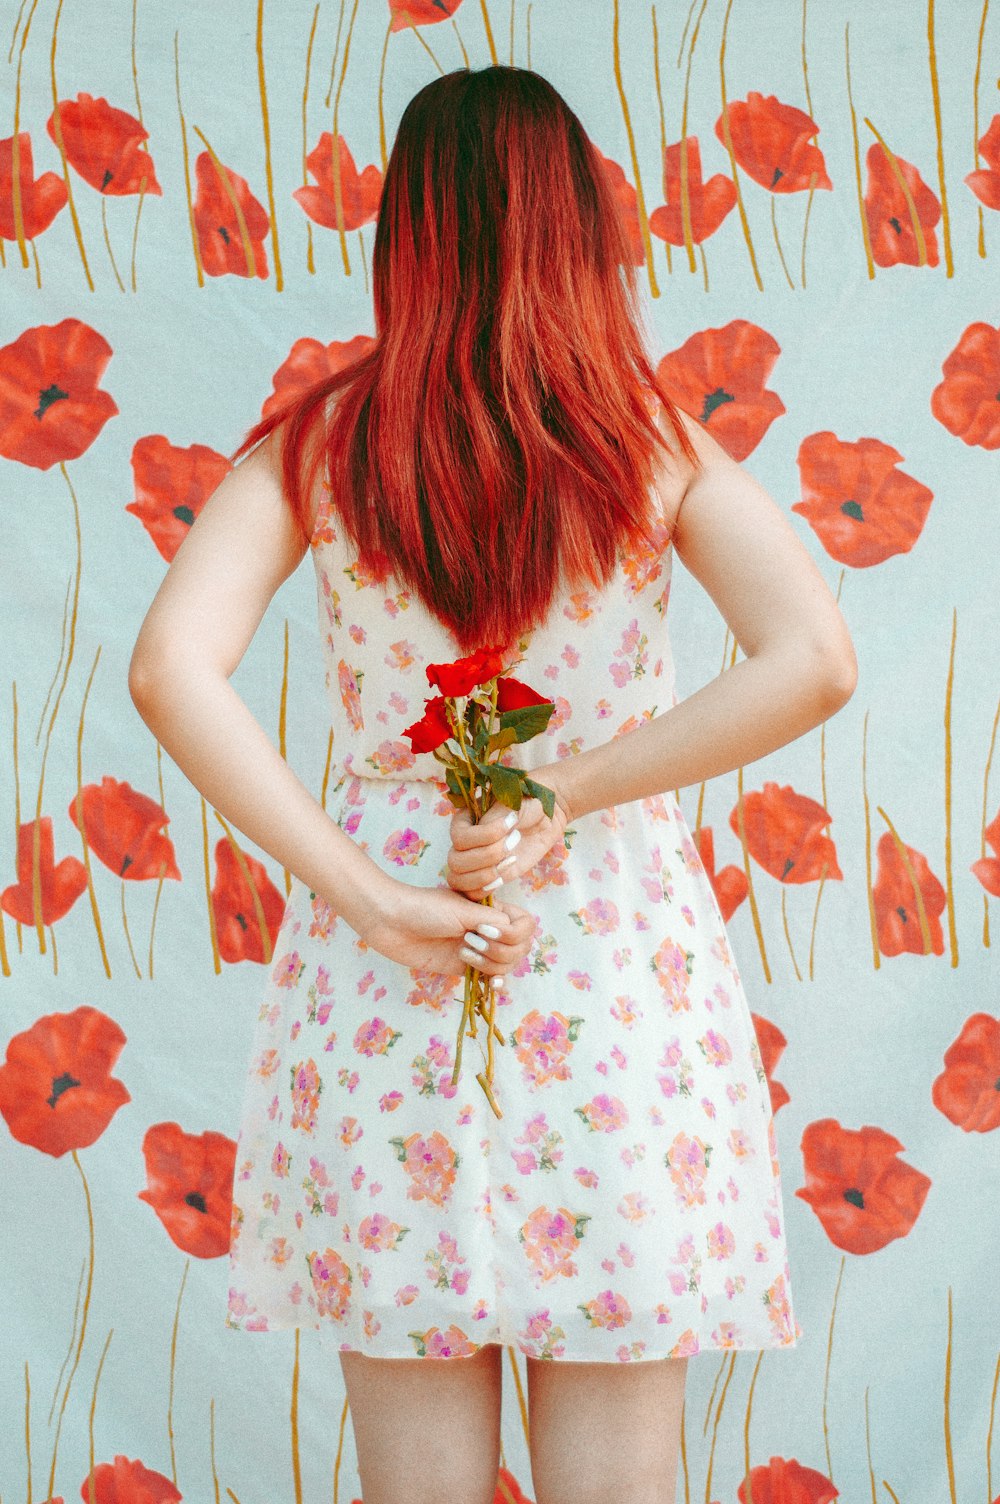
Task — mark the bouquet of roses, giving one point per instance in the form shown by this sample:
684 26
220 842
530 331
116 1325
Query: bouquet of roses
480 712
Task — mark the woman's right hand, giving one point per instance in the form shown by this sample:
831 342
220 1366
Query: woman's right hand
489 852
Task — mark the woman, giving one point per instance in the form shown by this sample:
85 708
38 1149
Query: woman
496 469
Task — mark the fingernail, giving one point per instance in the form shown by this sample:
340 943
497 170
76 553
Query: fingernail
512 840
489 930
469 957
496 883
510 820
476 941
505 863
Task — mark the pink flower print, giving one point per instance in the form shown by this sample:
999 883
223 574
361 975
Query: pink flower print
673 965
280 1160
623 957
295 1030
740 1147
608 1310
570 656
399 703
375 1037
581 980
560 715
430 1163
431 990
687 1159
393 604
640 921
598 917
267 1063
524 1160
779 1310
439 1052
452 1343
372 1324
646 563
324 920
603 709
588 1178
287 970
550 1239
406 1295
663 1315
358 1175
721 1242
352 822
715 1047
580 605
378 1233
331 1280
602 1067
534 1129
357 634
633 1206
626 1010
631 656
543 1045
391 757
550 871
401 656
405 847
618 1056
350 693
480 1311
390 1100
620 672
349 1131
551 671
306 1089
603 1114
280 1251
359 576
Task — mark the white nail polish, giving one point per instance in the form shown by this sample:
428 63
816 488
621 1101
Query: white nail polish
476 941
496 883
512 840
510 820
469 957
489 930
507 861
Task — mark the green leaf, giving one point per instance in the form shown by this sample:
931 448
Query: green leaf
454 787
506 784
528 720
540 791
502 740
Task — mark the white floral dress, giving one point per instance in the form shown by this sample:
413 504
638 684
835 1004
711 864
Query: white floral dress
627 1206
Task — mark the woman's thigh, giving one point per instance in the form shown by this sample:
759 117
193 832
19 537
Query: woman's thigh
604 1431
426 1429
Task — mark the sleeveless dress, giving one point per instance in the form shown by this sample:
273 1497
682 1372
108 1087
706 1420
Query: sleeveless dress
627 1206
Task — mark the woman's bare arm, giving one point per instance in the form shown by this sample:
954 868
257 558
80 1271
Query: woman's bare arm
800 666
242 546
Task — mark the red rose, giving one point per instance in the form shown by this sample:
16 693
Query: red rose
513 695
432 729
464 674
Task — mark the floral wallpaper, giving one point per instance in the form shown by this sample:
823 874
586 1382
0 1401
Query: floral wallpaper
187 205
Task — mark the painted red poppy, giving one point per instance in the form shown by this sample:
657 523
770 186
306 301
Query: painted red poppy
420 12
897 921
965 402
966 1091
772 143
730 884
627 200
772 1045
60 883
57 1092
128 1482
51 407
890 225
217 225
784 832
987 868
432 730
862 509
509 1491
189 1185
41 198
104 145
171 487
123 830
782 1480
237 929
463 675
861 1191
985 181
719 376
708 203
360 193
309 362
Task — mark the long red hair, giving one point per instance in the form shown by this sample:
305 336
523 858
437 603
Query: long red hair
495 436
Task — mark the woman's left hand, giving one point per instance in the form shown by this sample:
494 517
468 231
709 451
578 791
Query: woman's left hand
428 929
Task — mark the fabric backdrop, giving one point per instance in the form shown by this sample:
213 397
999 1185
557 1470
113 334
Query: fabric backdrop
821 289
